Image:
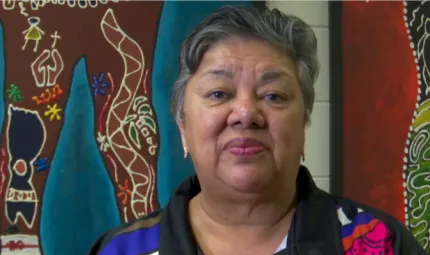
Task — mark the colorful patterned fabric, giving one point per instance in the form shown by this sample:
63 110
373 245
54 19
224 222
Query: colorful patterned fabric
87 139
364 234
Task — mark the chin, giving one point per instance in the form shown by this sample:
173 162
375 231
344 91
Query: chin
248 180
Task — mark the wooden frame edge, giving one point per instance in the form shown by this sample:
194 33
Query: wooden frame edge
336 98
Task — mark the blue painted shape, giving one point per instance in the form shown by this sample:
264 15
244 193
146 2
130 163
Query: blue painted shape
178 18
79 201
100 84
19 133
41 164
2 78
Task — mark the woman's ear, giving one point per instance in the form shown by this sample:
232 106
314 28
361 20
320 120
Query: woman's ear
303 145
181 127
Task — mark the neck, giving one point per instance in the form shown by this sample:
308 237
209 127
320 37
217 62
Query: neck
252 218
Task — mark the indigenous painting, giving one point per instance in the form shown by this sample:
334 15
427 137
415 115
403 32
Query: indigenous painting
87 139
381 108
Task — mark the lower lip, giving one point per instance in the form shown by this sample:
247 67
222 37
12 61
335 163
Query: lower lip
247 151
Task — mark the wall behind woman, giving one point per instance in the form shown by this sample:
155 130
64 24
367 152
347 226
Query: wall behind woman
318 135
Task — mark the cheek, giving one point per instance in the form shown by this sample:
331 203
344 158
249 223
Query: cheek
287 133
203 129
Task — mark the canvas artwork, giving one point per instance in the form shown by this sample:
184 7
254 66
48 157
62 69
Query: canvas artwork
87 139
381 103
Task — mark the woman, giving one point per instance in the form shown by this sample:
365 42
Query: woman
244 95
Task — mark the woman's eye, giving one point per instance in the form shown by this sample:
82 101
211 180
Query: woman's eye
275 98
217 95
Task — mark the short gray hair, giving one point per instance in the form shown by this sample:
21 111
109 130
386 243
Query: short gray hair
286 32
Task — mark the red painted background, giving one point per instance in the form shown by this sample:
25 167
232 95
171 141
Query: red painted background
379 96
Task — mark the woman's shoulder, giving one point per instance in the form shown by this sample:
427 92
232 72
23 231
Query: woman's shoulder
364 227
127 239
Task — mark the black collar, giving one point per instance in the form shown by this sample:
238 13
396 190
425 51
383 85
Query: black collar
314 230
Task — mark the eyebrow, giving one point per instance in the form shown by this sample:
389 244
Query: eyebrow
220 73
271 76
266 77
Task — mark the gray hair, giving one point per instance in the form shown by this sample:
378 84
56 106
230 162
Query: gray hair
286 32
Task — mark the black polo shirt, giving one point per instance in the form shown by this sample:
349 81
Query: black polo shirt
322 225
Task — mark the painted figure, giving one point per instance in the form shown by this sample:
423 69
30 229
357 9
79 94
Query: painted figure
24 127
34 33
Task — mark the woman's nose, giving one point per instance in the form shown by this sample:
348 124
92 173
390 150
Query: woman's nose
246 113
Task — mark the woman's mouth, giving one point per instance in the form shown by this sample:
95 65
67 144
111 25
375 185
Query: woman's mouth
246 151
244 146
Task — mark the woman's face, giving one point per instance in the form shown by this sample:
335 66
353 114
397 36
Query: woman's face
244 118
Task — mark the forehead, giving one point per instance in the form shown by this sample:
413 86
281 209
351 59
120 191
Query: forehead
238 54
